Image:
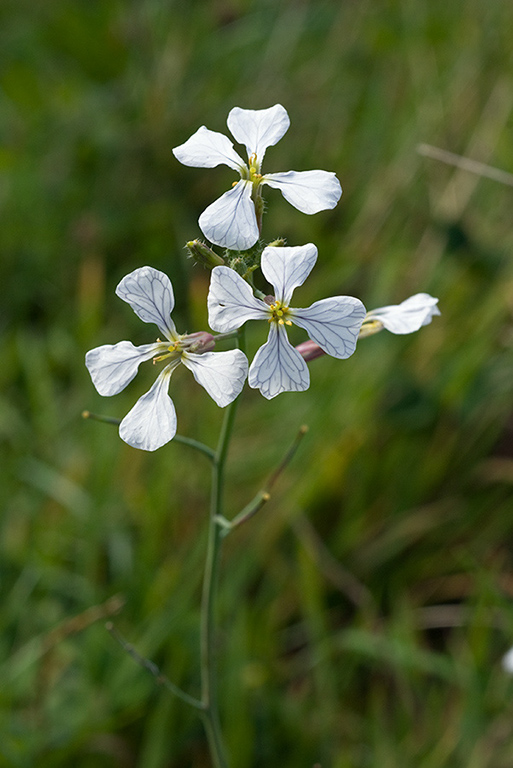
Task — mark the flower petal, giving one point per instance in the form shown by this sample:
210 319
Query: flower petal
408 316
207 149
230 221
231 302
150 294
288 267
332 323
113 366
152 421
258 129
308 191
222 374
278 367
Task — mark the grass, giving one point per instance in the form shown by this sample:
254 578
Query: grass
365 611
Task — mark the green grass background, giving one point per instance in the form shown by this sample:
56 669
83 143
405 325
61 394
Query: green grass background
365 611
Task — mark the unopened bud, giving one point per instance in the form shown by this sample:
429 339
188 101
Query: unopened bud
279 243
309 350
202 254
200 342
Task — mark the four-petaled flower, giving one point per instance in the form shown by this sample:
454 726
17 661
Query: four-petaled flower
231 221
332 323
406 317
152 421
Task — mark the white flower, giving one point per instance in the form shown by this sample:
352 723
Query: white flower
152 421
332 323
231 220
406 317
507 662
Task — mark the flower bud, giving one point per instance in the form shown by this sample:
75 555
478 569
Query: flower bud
204 255
200 342
309 350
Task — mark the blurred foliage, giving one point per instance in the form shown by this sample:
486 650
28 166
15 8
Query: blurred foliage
365 623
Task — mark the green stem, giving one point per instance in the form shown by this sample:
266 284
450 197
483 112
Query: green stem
152 668
201 447
209 687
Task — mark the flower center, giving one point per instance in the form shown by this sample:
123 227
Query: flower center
251 172
279 313
254 169
174 350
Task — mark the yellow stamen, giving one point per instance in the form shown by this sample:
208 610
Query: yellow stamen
279 313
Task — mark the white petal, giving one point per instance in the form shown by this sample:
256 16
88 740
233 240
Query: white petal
308 191
231 221
288 267
258 129
206 149
278 367
113 366
231 302
152 421
332 323
408 316
507 662
221 373
150 294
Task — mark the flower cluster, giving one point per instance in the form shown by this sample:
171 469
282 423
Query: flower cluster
233 221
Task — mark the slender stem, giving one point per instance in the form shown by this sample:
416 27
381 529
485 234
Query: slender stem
209 688
152 668
201 447
264 494
259 206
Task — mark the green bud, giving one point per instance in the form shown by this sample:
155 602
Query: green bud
279 243
204 255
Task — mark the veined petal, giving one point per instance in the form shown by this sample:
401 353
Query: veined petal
332 323
113 366
206 149
258 129
230 221
152 421
288 267
408 316
308 191
231 302
278 367
150 294
222 374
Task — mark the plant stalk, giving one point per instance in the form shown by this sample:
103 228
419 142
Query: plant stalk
209 682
